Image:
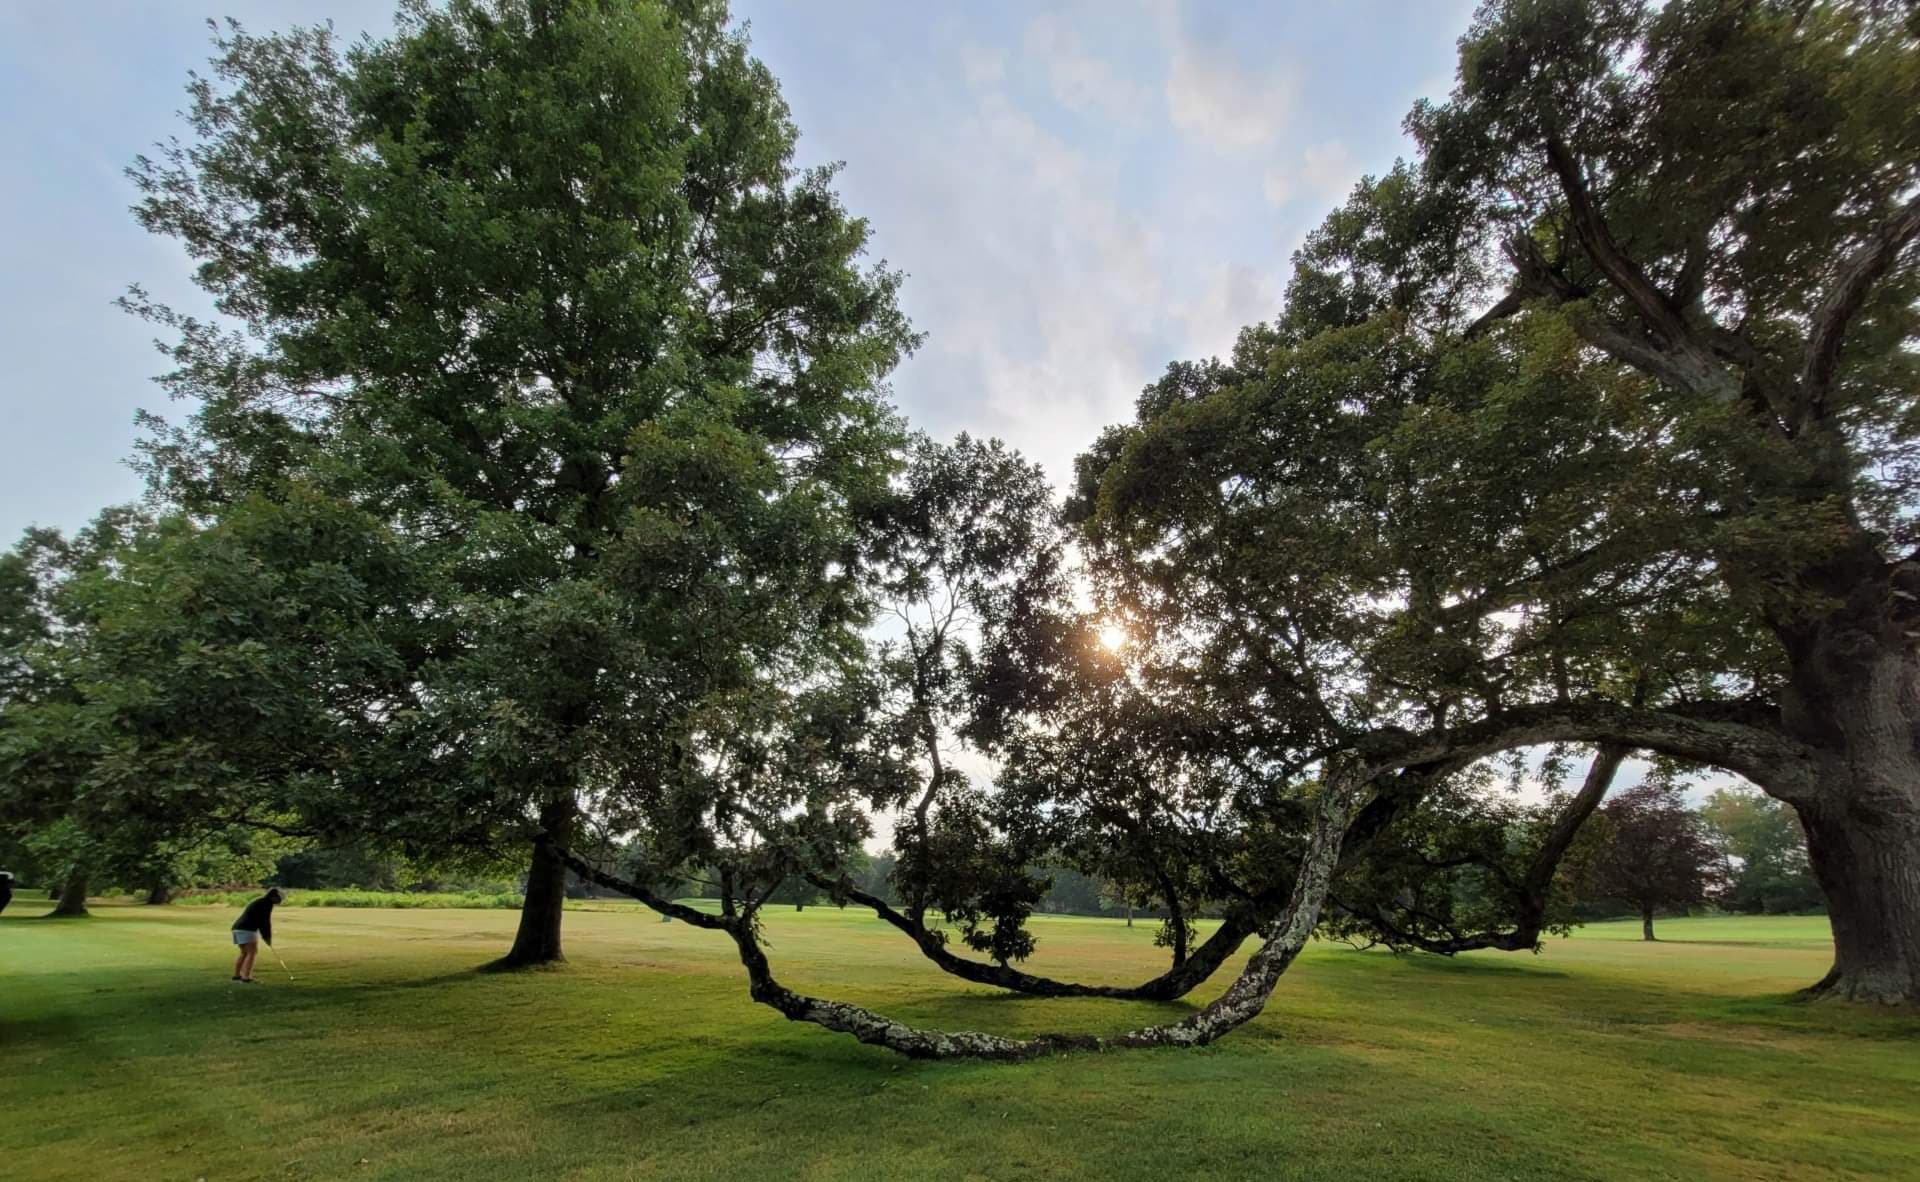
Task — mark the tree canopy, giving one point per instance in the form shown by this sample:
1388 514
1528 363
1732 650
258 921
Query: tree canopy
535 291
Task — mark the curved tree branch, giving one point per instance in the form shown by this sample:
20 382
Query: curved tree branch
1285 936
1865 267
1739 736
1399 792
1176 982
1532 891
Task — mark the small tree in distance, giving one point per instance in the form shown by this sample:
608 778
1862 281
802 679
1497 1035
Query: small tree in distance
1658 852
1766 850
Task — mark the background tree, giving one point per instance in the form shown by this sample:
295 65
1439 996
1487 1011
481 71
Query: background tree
535 287
175 701
1656 853
1766 853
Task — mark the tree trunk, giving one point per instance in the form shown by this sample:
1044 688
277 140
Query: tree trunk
1868 865
538 940
1646 921
73 896
159 892
1855 693
1129 915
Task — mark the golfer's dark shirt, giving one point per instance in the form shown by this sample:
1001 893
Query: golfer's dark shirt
258 917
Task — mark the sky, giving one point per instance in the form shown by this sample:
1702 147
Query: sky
1080 193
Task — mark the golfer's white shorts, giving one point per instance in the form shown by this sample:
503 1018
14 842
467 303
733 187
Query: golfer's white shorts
240 937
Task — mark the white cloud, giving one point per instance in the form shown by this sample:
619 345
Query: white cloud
1234 297
1325 171
1080 81
1330 169
1278 185
982 67
1044 296
1217 100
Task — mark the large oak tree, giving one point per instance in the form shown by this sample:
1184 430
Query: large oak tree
534 286
1595 427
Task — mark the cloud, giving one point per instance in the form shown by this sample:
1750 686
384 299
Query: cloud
1278 185
1325 171
982 67
1215 99
1044 296
1234 297
1080 81
1330 169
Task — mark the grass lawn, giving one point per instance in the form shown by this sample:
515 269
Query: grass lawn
126 1053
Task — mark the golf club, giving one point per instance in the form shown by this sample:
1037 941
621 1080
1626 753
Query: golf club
282 960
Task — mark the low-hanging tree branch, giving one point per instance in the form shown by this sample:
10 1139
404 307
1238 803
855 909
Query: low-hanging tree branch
1285 935
1532 891
1201 962
1740 736
1396 793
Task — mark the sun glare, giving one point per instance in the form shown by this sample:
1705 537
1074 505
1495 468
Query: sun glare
1113 637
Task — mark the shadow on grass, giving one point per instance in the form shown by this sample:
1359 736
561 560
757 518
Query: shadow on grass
1471 965
1777 945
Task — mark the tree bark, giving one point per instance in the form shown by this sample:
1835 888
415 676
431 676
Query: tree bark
1854 692
73 897
159 893
1868 865
537 941
1646 921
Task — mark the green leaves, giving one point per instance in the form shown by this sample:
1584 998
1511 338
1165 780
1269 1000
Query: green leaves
536 292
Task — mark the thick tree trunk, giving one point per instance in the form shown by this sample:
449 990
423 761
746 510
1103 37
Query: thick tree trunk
1646 921
73 896
537 941
1855 692
159 892
1868 865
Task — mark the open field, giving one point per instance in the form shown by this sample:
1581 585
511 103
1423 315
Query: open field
126 1053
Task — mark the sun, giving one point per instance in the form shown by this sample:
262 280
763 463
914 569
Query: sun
1113 637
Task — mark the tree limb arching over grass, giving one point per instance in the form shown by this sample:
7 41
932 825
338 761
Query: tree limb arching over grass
1285 935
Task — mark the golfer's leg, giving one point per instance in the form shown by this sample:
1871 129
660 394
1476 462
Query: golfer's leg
252 949
240 962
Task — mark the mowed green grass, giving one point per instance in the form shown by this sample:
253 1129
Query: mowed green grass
126 1053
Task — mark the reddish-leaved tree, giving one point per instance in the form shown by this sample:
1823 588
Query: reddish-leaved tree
1658 853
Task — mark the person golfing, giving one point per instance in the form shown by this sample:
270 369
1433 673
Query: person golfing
254 926
6 889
